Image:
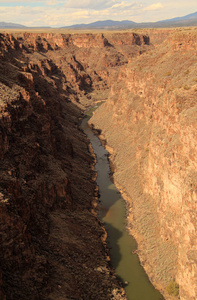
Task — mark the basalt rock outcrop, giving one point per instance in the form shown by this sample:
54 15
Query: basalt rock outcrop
150 124
51 242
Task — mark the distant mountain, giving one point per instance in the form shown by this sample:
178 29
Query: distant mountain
187 17
5 25
11 25
188 20
103 24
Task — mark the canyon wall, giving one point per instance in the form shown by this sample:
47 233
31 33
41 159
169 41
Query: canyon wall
149 123
52 246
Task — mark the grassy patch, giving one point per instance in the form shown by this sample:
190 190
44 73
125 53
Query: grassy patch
173 288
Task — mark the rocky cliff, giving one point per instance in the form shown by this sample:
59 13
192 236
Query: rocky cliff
149 122
51 243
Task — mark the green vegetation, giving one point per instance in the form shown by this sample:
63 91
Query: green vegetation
186 87
172 288
90 111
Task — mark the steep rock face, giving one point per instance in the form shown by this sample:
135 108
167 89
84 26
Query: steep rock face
151 127
51 243
89 62
37 155
49 236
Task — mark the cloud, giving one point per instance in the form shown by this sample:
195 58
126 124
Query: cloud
91 4
58 13
35 3
52 2
58 16
126 5
155 6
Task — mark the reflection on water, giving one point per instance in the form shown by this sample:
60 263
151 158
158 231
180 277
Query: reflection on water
113 213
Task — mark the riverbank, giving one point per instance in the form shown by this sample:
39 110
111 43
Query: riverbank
114 213
140 243
115 294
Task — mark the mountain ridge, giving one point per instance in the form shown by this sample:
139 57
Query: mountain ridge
11 25
187 20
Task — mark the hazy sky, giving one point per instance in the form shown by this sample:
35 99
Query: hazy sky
58 13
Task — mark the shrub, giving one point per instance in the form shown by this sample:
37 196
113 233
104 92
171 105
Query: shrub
173 288
168 73
186 87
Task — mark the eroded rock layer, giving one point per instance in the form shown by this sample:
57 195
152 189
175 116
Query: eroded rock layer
150 124
51 242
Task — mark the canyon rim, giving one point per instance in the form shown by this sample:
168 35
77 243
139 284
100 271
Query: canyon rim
52 243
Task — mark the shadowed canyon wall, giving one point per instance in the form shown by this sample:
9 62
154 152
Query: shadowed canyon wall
52 246
151 134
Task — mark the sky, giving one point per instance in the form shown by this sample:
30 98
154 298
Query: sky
58 13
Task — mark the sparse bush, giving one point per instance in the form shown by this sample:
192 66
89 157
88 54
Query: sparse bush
173 288
186 72
168 73
186 87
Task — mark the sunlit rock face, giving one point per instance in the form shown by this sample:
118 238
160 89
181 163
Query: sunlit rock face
150 122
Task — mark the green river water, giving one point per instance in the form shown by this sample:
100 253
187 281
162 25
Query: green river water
112 212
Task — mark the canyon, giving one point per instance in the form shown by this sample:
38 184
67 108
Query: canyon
52 244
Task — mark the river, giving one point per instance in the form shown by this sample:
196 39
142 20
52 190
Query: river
112 211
